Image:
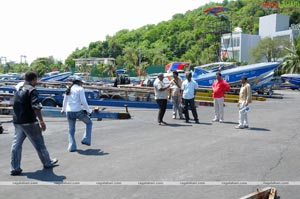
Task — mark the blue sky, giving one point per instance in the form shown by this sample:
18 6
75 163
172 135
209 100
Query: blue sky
42 28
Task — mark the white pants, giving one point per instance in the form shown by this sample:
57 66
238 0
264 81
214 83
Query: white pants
219 108
243 117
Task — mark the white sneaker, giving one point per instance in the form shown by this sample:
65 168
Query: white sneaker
239 127
215 120
174 117
221 121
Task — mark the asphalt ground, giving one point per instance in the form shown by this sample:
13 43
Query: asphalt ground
225 162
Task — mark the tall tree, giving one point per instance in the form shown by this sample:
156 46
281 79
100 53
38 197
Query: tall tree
131 58
109 69
269 49
291 63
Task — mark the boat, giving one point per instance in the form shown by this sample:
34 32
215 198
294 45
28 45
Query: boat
292 78
56 76
10 76
266 84
254 73
218 66
177 66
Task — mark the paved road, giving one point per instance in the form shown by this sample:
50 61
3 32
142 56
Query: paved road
140 150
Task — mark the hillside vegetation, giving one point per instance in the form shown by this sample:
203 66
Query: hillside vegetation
193 36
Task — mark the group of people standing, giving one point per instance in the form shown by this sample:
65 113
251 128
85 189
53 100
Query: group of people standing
28 120
182 94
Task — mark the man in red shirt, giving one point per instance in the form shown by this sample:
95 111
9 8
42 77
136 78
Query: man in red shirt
220 86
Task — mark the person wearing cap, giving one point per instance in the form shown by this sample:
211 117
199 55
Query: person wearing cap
161 97
219 87
175 94
188 88
74 99
27 110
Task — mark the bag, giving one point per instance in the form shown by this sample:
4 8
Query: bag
88 114
176 83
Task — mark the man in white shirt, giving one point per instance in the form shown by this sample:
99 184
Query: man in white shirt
188 88
73 100
161 97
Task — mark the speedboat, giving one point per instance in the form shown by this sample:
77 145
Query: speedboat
292 78
253 72
291 81
56 76
218 66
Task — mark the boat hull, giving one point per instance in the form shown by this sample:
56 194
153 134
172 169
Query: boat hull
292 78
253 72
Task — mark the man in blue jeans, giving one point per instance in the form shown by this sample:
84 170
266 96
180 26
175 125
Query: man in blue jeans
26 111
73 99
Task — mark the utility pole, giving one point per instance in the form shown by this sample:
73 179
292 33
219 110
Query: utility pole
23 59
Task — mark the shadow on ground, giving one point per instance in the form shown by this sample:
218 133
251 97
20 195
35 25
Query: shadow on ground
45 175
95 152
258 129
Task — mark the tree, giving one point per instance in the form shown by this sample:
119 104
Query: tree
269 49
110 69
141 70
291 62
131 58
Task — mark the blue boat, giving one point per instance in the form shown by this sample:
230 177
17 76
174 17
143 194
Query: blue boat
292 78
291 81
254 73
56 76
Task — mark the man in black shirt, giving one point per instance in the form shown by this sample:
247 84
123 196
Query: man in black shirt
26 111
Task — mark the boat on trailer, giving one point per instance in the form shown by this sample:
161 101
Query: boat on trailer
56 76
253 72
292 78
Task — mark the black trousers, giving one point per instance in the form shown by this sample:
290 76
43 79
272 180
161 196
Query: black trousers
190 103
162 104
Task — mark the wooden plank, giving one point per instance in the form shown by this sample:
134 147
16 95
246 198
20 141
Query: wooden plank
266 193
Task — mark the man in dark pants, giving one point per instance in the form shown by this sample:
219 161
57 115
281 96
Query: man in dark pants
26 111
188 88
161 96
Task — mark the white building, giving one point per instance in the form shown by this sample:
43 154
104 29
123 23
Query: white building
237 45
93 61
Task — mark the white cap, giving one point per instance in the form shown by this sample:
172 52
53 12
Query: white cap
77 78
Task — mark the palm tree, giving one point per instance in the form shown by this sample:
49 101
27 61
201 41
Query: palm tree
110 69
291 62
141 70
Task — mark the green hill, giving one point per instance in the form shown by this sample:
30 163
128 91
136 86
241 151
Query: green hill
193 36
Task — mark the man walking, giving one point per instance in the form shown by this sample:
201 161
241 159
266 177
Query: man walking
161 97
26 111
220 86
175 94
189 87
245 98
